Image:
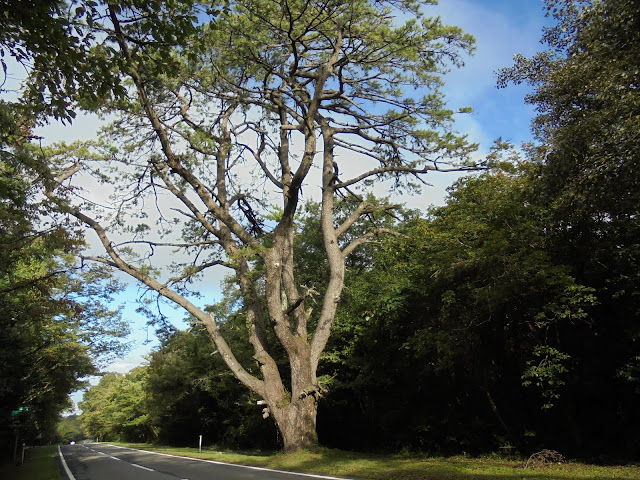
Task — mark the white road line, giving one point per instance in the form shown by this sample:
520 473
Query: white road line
64 464
248 467
115 458
144 468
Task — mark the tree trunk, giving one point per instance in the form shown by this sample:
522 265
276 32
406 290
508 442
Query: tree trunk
297 423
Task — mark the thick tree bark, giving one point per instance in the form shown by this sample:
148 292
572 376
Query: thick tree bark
297 423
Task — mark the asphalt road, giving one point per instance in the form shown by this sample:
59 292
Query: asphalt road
101 461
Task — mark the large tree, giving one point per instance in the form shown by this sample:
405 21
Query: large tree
231 113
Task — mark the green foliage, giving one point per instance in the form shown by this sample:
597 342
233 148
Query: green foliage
53 46
53 318
468 316
585 90
546 372
70 429
117 408
193 393
185 391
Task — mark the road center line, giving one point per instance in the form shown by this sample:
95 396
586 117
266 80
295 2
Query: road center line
144 468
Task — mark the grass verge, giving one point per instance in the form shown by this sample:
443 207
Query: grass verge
403 467
40 463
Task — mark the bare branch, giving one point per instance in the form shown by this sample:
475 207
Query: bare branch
363 209
170 244
162 289
365 239
402 169
69 172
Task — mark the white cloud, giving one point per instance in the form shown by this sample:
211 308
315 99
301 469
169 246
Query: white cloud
126 364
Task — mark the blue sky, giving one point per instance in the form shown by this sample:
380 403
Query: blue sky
502 28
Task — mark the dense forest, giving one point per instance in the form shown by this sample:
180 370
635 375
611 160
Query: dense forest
507 320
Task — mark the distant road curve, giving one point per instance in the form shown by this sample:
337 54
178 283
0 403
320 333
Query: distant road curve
101 461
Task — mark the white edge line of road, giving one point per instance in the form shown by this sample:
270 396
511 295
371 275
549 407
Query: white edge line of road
143 467
250 467
64 464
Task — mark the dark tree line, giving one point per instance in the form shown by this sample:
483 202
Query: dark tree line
520 297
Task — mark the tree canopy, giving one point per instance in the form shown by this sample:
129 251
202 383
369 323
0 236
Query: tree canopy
585 89
231 113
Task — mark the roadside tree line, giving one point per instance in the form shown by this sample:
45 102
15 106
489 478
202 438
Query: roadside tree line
506 318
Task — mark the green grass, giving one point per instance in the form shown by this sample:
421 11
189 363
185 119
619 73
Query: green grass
404 467
40 463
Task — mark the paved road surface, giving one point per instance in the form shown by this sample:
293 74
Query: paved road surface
101 461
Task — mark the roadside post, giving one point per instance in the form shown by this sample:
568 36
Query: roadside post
200 444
